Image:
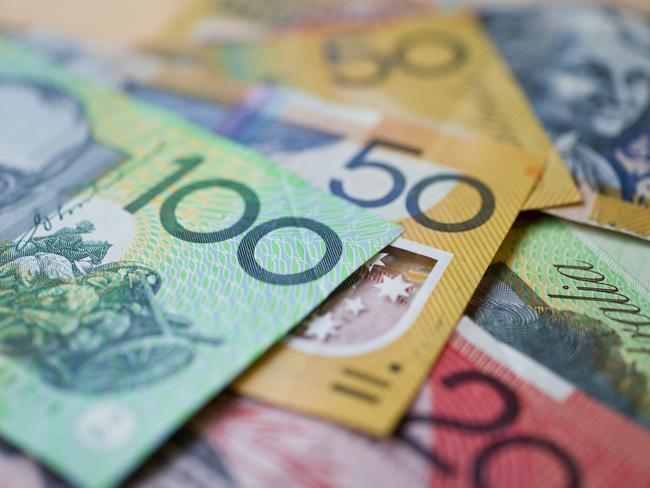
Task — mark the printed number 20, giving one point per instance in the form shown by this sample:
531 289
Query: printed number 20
510 413
246 249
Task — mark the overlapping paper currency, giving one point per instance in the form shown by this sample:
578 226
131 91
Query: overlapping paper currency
344 244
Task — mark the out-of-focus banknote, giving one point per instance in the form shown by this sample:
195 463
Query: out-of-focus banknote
487 416
490 413
117 21
215 21
366 351
196 92
133 302
435 68
452 5
586 71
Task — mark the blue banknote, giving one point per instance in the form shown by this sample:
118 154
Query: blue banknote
586 71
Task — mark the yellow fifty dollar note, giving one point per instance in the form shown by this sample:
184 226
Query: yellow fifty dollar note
431 67
361 356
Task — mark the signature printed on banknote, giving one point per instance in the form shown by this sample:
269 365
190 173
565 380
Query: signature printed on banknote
530 390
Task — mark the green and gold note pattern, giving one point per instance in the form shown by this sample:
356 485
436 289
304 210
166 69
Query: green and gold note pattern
435 68
152 288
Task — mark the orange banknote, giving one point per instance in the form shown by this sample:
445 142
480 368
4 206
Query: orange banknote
360 358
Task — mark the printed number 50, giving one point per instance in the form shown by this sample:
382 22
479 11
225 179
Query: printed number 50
413 196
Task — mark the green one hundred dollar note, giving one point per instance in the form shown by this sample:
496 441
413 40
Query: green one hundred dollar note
134 301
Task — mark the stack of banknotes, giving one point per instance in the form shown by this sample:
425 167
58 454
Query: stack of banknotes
350 244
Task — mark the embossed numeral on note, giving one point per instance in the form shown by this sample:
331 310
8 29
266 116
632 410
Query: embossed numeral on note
360 161
483 215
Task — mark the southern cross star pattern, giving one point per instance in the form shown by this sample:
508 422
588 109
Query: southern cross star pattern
354 306
322 326
393 287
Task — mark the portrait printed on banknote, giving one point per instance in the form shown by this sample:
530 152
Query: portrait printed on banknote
47 149
586 71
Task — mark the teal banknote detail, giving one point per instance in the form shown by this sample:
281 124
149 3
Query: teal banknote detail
139 297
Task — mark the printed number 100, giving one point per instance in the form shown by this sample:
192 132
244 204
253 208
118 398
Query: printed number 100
246 249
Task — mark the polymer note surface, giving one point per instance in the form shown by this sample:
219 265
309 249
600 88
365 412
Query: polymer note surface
490 412
369 347
486 415
126 306
556 296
